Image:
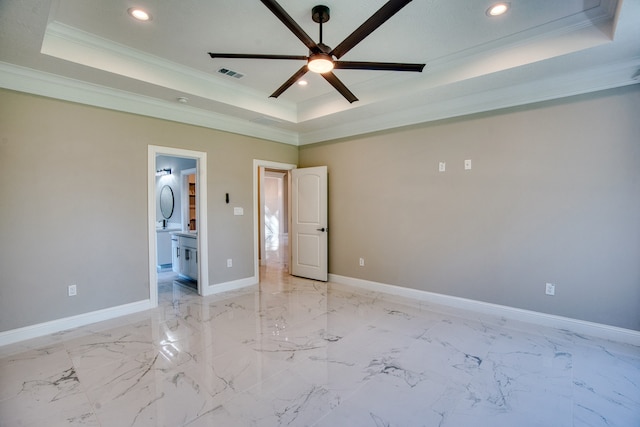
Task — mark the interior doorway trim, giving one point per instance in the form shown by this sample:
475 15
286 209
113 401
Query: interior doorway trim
264 175
201 206
256 207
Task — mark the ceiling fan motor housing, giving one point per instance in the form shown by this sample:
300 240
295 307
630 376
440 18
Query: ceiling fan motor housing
324 48
320 14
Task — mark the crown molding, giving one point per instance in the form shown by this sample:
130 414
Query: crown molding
609 75
71 44
445 104
53 86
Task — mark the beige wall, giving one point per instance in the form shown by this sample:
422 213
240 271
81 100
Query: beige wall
553 196
73 204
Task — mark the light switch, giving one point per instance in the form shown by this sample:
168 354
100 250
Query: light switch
238 211
467 165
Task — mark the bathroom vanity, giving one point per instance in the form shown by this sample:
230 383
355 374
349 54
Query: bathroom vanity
184 254
163 242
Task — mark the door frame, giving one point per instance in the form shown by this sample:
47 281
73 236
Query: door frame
201 208
271 174
257 163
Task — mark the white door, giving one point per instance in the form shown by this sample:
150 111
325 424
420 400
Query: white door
309 236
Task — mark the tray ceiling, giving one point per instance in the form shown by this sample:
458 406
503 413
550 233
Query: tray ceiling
94 52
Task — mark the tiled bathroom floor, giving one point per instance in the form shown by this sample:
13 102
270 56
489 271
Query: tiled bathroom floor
295 352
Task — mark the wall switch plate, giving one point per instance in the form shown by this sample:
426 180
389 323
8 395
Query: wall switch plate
442 166
72 290
238 211
229 262
361 262
550 289
467 165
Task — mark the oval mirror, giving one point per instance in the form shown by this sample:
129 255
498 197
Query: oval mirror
166 202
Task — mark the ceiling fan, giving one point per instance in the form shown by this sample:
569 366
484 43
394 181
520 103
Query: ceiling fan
322 59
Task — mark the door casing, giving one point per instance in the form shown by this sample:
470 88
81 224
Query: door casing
256 206
201 207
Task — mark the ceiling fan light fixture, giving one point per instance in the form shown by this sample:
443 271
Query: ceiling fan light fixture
320 63
498 9
139 14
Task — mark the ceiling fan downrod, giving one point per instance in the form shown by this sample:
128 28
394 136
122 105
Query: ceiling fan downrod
320 15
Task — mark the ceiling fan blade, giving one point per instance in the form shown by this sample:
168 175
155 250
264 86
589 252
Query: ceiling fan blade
339 86
288 21
286 85
377 19
255 56
380 66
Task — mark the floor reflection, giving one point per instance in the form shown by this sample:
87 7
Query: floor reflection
277 251
296 352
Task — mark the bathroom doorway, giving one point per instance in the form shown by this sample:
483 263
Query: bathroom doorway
176 232
177 224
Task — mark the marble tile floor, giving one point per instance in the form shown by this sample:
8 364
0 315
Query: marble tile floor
294 352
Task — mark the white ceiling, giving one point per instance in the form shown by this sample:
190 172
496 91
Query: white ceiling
92 51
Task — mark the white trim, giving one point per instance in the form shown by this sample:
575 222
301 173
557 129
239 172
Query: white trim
454 104
36 82
201 189
151 224
71 44
542 319
231 286
262 252
256 200
66 323
450 104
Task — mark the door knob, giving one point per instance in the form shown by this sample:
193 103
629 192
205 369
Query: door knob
322 229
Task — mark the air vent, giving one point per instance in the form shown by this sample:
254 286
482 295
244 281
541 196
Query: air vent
231 73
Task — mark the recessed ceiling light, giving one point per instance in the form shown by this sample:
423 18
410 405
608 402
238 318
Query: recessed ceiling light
302 83
139 14
498 9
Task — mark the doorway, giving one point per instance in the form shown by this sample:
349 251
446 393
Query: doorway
271 215
274 227
165 166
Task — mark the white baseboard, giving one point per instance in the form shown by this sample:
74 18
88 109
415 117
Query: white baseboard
58 325
576 326
230 286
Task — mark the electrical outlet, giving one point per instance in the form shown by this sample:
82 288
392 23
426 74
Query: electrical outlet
442 166
72 290
229 262
361 262
467 165
550 289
